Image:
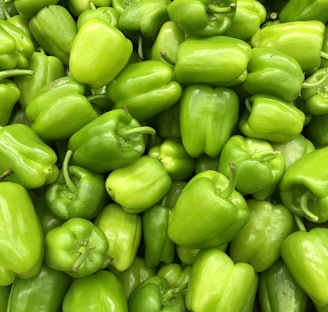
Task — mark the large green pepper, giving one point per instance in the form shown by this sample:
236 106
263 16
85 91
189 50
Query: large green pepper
114 139
25 157
21 237
107 61
218 60
252 158
203 18
145 89
258 242
64 95
77 192
303 34
303 189
278 291
208 116
218 284
100 291
123 232
29 8
41 293
77 247
209 212
54 29
153 182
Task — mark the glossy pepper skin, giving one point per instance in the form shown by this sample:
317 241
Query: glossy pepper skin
252 157
29 8
270 118
145 89
153 183
258 242
208 212
302 189
123 233
77 247
77 192
113 140
208 116
96 292
206 60
218 284
278 290
78 7
267 67
202 18
9 94
155 294
31 162
302 33
21 236
54 29
113 53
41 293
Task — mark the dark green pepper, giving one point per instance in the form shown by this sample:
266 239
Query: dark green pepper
4 295
317 130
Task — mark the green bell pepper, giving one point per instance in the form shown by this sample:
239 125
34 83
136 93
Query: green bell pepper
123 233
16 46
278 290
153 183
209 212
145 89
317 130
113 140
303 34
155 294
54 29
99 291
202 18
270 118
29 8
252 158
64 95
267 68
158 247
30 161
78 7
171 197
112 54
9 94
41 293
46 68
4 295
258 242
303 189
208 116
186 255
21 237
77 247
77 192
205 162
216 60
218 284
7 7
172 154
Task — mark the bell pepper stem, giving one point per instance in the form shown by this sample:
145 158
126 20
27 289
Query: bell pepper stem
137 130
69 183
215 9
300 224
169 295
92 5
304 199
4 10
166 58
232 182
94 97
324 55
316 83
5 174
83 251
15 72
140 49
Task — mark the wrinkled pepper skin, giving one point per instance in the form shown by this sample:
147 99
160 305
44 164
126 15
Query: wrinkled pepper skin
208 212
145 89
208 116
113 140
278 290
218 284
112 54
29 8
30 161
21 237
41 293
77 247
258 242
100 291
153 183
303 190
217 60
123 232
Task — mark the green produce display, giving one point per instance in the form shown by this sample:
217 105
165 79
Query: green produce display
163 155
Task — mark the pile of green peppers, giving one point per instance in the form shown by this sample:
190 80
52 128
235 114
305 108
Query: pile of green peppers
163 155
